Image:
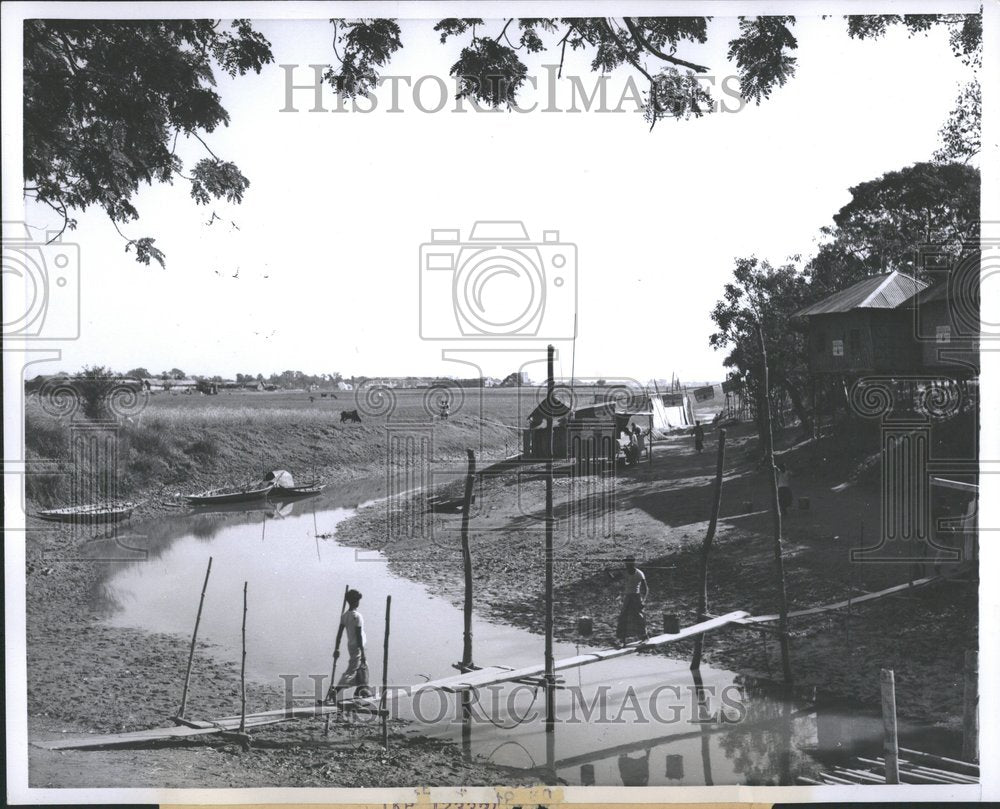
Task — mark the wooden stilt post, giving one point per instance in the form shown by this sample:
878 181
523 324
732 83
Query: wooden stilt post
243 667
549 573
649 443
704 717
970 713
385 677
889 737
466 725
707 545
765 403
470 476
194 639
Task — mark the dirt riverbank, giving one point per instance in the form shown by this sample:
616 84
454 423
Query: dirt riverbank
660 515
172 449
87 677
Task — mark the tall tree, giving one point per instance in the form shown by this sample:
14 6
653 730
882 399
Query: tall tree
890 219
769 295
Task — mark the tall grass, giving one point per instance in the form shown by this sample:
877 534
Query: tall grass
167 450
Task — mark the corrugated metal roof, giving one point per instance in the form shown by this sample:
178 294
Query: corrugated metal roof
878 292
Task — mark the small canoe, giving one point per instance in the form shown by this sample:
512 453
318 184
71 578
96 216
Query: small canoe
94 512
303 490
231 494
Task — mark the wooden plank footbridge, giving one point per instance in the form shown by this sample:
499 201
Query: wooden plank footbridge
236 726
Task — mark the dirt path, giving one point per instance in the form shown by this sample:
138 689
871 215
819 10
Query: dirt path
660 516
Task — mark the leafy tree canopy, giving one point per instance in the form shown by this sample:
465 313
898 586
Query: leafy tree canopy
105 102
889 218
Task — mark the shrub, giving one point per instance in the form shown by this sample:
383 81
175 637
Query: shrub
202 450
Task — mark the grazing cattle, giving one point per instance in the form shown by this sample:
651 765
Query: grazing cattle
349 415
312 398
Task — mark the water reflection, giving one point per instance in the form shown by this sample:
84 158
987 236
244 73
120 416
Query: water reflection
634 772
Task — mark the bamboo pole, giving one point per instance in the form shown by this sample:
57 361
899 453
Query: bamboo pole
243 667
467 562
707 545
336 646
385 676
549 573
336 655
890 739
765 405
970 712
194 639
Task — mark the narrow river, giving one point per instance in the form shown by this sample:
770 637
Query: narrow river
631 721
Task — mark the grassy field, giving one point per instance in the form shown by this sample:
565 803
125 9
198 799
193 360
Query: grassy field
187 443
506 405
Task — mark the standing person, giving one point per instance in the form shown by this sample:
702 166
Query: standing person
637 433
784 488
699 436
625 442
353 625
631 620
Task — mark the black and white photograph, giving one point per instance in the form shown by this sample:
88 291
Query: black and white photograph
523 407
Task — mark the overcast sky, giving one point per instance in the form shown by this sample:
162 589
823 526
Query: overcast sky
329 234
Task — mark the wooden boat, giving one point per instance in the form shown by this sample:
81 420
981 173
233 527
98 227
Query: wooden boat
230 494
91 513
301 490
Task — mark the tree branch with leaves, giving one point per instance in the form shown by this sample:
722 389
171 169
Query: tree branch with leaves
104 105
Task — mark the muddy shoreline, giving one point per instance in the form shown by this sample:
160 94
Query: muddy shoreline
84 676
660 516
87 677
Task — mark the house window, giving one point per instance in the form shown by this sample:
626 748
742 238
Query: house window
943 334
838 348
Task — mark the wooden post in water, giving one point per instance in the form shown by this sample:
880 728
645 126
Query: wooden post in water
970 712
549 575
707 545
764 403
243 667
470 476
383 702
889 737
194 639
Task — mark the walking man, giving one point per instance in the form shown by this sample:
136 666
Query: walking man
353 624
784 487
631 620
699 436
